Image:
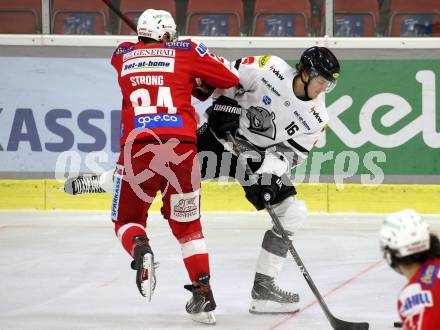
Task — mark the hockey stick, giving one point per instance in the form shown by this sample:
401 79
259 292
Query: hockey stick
120 14
336 323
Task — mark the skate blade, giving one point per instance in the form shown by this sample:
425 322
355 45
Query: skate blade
149 283
204 317
271 307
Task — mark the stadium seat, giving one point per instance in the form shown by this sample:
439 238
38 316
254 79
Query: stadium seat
283 18
214 18
419 18
134 8
355 18
79 17
20 16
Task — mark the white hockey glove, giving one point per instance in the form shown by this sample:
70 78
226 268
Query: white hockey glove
274 163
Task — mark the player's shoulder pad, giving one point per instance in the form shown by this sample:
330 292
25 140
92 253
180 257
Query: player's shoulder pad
185 44
260 60
123 48
429 275
199 47
273 59
263 60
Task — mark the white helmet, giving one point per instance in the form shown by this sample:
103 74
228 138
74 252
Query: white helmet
404 233
155 24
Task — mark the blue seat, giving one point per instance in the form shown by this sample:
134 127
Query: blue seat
420 18
219 18
80 17
134 8
282 18
355 18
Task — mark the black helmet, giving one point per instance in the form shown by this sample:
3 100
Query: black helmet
322 61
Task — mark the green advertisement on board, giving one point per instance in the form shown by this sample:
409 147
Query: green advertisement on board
384 116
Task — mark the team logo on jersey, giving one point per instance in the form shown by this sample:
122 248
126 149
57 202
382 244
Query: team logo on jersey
148 64
201 49
185 207
117 184
267 100
263 60
261 122
248 60
148 53
429 274
302 120
316 114
276 72
417 300
122 50
157 121
271 88
179 44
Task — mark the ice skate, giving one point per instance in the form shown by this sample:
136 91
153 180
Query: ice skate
87 184
201 304
144 265
268 298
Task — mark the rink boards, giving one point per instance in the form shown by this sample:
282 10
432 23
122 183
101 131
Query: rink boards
229 196
385 134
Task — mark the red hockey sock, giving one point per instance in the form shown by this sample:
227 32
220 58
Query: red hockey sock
126 233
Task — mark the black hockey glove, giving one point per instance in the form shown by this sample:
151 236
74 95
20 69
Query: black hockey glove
259 192
224 116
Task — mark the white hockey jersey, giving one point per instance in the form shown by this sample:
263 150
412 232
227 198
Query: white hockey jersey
273 118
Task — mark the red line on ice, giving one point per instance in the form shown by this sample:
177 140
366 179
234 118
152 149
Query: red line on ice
351 279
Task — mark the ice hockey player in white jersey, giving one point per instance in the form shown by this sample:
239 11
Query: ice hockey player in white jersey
279 112
276 114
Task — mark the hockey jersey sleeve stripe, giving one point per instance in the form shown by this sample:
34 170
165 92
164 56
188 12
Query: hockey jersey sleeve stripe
297 146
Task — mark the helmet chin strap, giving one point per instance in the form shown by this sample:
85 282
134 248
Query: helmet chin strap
392 262
306 85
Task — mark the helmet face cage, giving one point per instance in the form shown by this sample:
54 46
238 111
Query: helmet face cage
331 84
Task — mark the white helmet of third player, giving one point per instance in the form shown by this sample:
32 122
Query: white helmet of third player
155 24
404 233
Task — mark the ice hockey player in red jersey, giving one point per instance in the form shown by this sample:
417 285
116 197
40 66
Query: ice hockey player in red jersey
411 250
156 76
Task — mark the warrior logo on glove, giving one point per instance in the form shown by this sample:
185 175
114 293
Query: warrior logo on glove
227 108
224 116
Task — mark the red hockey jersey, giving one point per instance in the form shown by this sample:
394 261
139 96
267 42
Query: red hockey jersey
156 81
419 301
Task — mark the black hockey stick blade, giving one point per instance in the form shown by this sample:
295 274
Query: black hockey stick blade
338 324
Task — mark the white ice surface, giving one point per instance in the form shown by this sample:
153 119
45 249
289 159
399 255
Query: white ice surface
67 270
